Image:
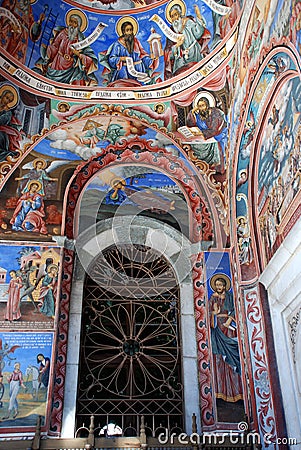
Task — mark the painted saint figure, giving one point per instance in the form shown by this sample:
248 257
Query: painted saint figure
127 46
61 62
29 213
38 173
15 382
226 360
116 195
192 45
48 291
92 134
244 241
211 123
13 303
10 127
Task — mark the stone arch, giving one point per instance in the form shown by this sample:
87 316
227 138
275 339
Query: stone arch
180 253
202 226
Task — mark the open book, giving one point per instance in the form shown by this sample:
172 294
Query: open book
189 132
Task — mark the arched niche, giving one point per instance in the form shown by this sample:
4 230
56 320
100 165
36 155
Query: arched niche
178 251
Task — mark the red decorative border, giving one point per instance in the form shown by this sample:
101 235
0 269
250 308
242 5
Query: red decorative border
260 365
62 335
207 417
139 151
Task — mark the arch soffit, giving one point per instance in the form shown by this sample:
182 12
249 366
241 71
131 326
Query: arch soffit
259 121
164 162
138 230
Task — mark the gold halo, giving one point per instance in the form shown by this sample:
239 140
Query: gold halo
117 180
62 103
79 13
224 277
171 4
52 266
35 161
32 2
13 90
159 104
241 217
126 19
206 95
34 182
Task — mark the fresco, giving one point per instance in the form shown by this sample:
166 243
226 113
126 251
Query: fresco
278 137
226 363
134 190
93 134
28 288
269 22
205 134
17 109
295 26
31 204
25 377
70 46
279 176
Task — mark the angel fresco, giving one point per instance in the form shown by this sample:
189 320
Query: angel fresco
92 133
10 127
65 112
243 176
38 172
123 194
159 112
126 59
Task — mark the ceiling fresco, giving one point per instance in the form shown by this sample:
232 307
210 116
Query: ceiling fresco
88 48
270 141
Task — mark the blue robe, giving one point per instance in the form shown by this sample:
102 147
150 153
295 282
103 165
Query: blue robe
118 69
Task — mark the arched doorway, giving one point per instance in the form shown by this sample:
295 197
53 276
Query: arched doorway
130 358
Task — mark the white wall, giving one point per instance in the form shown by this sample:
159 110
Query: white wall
282 279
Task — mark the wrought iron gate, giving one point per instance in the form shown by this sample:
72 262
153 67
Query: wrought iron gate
130 362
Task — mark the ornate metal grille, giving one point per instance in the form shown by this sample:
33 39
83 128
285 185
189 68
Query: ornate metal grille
130 363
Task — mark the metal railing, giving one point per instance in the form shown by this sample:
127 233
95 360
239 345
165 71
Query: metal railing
91 442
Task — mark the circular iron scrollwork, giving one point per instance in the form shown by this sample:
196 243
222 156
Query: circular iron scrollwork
132 348
130 361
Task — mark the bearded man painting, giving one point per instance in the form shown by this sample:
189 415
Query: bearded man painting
61 62
115 59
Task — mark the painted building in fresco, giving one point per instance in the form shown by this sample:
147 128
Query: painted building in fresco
150 173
